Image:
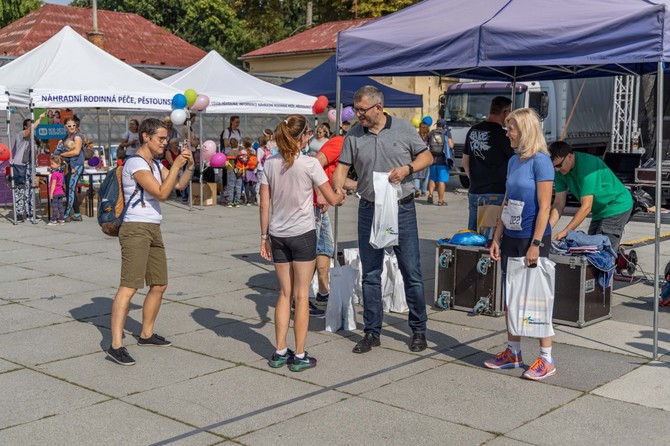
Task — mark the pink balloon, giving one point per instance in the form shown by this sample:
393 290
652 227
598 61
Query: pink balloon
218 160
332 115
201 103
348 113
208 149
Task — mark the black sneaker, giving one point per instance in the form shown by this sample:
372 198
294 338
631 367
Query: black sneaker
120 356
321 299
154 341
298 365
313 311
277 361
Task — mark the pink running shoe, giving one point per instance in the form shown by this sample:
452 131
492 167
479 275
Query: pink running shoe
540 369
504 360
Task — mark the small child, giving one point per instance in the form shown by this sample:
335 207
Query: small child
56 192
246 164
233 190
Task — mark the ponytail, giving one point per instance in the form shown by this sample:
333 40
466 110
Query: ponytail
287 137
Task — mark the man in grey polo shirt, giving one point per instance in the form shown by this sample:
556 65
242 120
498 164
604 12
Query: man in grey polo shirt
379 143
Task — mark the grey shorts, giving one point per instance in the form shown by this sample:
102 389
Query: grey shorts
142 255
611 227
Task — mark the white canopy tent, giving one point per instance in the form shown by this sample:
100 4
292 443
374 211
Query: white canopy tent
69 71
231 90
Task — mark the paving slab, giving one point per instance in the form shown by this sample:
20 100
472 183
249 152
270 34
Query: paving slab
641 312
464 318
79 306
614 336
18 317
365 423
44 286
236 401
578 368
28 254
257 303
91 425
6 366
55 342
362 373
446 342
191 285
466 396
239 341
647 386
593 420
505 441
20 272
264 277
155 368
34 396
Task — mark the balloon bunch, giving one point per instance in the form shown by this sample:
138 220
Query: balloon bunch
183 104
416 121
347 114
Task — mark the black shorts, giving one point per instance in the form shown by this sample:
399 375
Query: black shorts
300 248
517 247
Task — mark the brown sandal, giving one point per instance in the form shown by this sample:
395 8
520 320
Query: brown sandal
441 203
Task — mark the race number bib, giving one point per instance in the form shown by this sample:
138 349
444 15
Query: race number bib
511 215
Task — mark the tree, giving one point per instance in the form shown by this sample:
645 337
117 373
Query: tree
12 10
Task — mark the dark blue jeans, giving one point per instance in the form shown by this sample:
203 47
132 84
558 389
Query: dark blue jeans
409 262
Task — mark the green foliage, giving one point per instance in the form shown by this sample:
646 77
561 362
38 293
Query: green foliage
12 10
231 27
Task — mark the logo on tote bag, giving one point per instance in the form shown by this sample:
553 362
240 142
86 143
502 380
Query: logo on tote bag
528 320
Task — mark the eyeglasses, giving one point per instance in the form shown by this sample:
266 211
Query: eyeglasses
71 126
161 138
362 111
559 165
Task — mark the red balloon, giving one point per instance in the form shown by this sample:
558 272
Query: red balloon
320 105
4 153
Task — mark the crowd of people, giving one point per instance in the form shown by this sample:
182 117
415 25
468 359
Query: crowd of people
295 174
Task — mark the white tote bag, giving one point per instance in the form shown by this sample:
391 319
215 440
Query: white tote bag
393 285
384 231
529 293
340 310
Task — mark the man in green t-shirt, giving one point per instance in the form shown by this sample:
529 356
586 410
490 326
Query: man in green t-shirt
599 191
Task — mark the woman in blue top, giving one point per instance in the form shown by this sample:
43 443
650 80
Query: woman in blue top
523 228
75 160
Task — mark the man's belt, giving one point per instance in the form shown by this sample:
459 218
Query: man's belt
405 200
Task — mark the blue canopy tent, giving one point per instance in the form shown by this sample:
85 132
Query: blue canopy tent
322 79
517 40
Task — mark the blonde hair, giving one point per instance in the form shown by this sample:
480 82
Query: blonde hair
287 136
531 136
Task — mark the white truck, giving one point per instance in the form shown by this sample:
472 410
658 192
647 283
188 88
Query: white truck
578 111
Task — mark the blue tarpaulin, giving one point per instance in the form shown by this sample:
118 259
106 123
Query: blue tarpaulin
505 39
321 81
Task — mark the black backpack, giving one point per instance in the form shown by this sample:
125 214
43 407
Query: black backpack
111 207
436 142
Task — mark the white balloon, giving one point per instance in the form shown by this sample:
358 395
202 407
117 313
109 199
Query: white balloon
178 116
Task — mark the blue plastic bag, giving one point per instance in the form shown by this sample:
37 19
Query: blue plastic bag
467 238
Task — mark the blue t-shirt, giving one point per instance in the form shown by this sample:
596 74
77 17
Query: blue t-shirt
522 177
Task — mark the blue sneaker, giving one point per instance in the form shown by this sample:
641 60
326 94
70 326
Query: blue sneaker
277 360
298 365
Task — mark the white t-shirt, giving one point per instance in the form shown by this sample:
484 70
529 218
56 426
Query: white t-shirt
136 213
133 139
292 194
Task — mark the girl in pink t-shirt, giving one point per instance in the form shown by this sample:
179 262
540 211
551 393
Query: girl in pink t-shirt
56 192
288 238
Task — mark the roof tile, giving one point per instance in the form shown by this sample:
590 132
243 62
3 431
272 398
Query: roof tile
129 37
320 38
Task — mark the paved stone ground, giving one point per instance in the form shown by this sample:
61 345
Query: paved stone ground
213 386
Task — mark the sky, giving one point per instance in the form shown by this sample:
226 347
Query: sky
58 2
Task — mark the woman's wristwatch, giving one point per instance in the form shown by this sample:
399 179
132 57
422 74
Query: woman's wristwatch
264 236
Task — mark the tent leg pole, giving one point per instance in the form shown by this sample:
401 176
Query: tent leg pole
338 127
657 231
11 163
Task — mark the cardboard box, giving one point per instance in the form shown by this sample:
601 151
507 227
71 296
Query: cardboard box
209 194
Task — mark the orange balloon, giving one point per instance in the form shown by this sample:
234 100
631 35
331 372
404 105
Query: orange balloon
320 105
